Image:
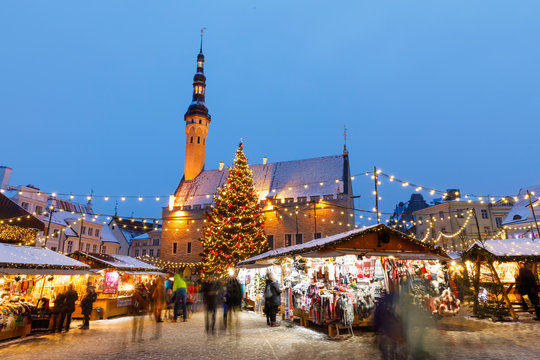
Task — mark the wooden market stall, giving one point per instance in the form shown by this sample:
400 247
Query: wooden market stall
495 264
30 278
115 280
357 264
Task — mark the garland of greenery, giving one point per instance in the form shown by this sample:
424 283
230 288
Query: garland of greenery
18 234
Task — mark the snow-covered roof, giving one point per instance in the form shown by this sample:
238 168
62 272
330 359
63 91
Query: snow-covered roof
510 247
120 262
15 255
521 211
323 247
107 235
142 237
274 179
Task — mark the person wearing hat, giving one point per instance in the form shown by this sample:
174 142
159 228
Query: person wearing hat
86 307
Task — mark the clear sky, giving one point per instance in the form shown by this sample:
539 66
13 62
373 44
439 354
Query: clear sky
444 94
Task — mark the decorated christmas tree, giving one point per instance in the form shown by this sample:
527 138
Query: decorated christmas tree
234 228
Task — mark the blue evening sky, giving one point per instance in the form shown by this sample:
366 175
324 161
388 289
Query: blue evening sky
441 93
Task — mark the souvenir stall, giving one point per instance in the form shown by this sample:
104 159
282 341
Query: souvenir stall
336 281
115 280
494 265
30 279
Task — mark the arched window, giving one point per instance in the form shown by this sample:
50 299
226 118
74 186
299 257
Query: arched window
200 121
198 139
516 217
191 141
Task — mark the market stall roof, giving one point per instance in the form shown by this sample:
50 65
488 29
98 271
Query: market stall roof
119 262
511 249
16 259
10 210
376 240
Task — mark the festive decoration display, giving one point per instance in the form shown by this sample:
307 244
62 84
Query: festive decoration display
167 265
18 234
234 228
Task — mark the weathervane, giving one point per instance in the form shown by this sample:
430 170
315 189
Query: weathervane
344 138
202 31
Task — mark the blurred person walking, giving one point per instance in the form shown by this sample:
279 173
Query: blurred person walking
56 325
210 290
158 298
192 296
272 299
233 300
526 285
389 329
70 297
87 304
139 308
180 294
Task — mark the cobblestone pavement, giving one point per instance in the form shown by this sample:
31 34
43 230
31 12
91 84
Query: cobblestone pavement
456 338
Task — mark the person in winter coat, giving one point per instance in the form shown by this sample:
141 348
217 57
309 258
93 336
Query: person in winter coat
158 298
210 290
526 285
56 311
68 308
180 292
87 304
272 296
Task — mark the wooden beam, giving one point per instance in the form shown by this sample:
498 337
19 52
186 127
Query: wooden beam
504 294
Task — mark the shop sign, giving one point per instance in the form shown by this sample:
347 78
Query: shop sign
110 282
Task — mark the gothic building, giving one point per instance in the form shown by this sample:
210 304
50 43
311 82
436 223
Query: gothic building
303 199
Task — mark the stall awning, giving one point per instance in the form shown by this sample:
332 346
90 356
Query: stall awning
376 240
122 263
16 259
508 248
144 273
4 271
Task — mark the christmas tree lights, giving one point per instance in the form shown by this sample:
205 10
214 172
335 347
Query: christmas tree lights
234 228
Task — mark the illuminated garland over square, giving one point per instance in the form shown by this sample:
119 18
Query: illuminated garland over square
18 234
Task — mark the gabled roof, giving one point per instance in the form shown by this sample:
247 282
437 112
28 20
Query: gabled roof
275 179
508 247
521 211
359 242
10 210
119 262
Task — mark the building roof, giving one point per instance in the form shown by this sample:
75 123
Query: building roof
25 257
10 210
274 180
119 262
521 211
509 247
107 236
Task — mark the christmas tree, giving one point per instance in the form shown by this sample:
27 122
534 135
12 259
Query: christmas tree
234 228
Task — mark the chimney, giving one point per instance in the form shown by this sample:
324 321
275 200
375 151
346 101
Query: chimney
265 160
5 174
221 165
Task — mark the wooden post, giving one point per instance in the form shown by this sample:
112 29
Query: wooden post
476 284
505 295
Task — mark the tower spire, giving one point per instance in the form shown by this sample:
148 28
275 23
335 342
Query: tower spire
202 30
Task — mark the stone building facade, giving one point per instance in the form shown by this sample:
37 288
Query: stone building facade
302 199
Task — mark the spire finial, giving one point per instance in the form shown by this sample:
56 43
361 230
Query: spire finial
202 31
344 138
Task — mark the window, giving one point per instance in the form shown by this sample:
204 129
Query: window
464 232
96 233
196 207
189 247
443 230
516 217
24 205
277 201
288 239
441 215
94 248
328 197
299 238
484 214
270 241
151 251
498 222
289 200
83 231
55 233
420 218
302 199
143 252
421 236
174 247
70 246
53 248
198 139
191 140
103 249
460 213
90 231
157 252
200 121
487 230
155 242
317 235
39 209
314 198
136 252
